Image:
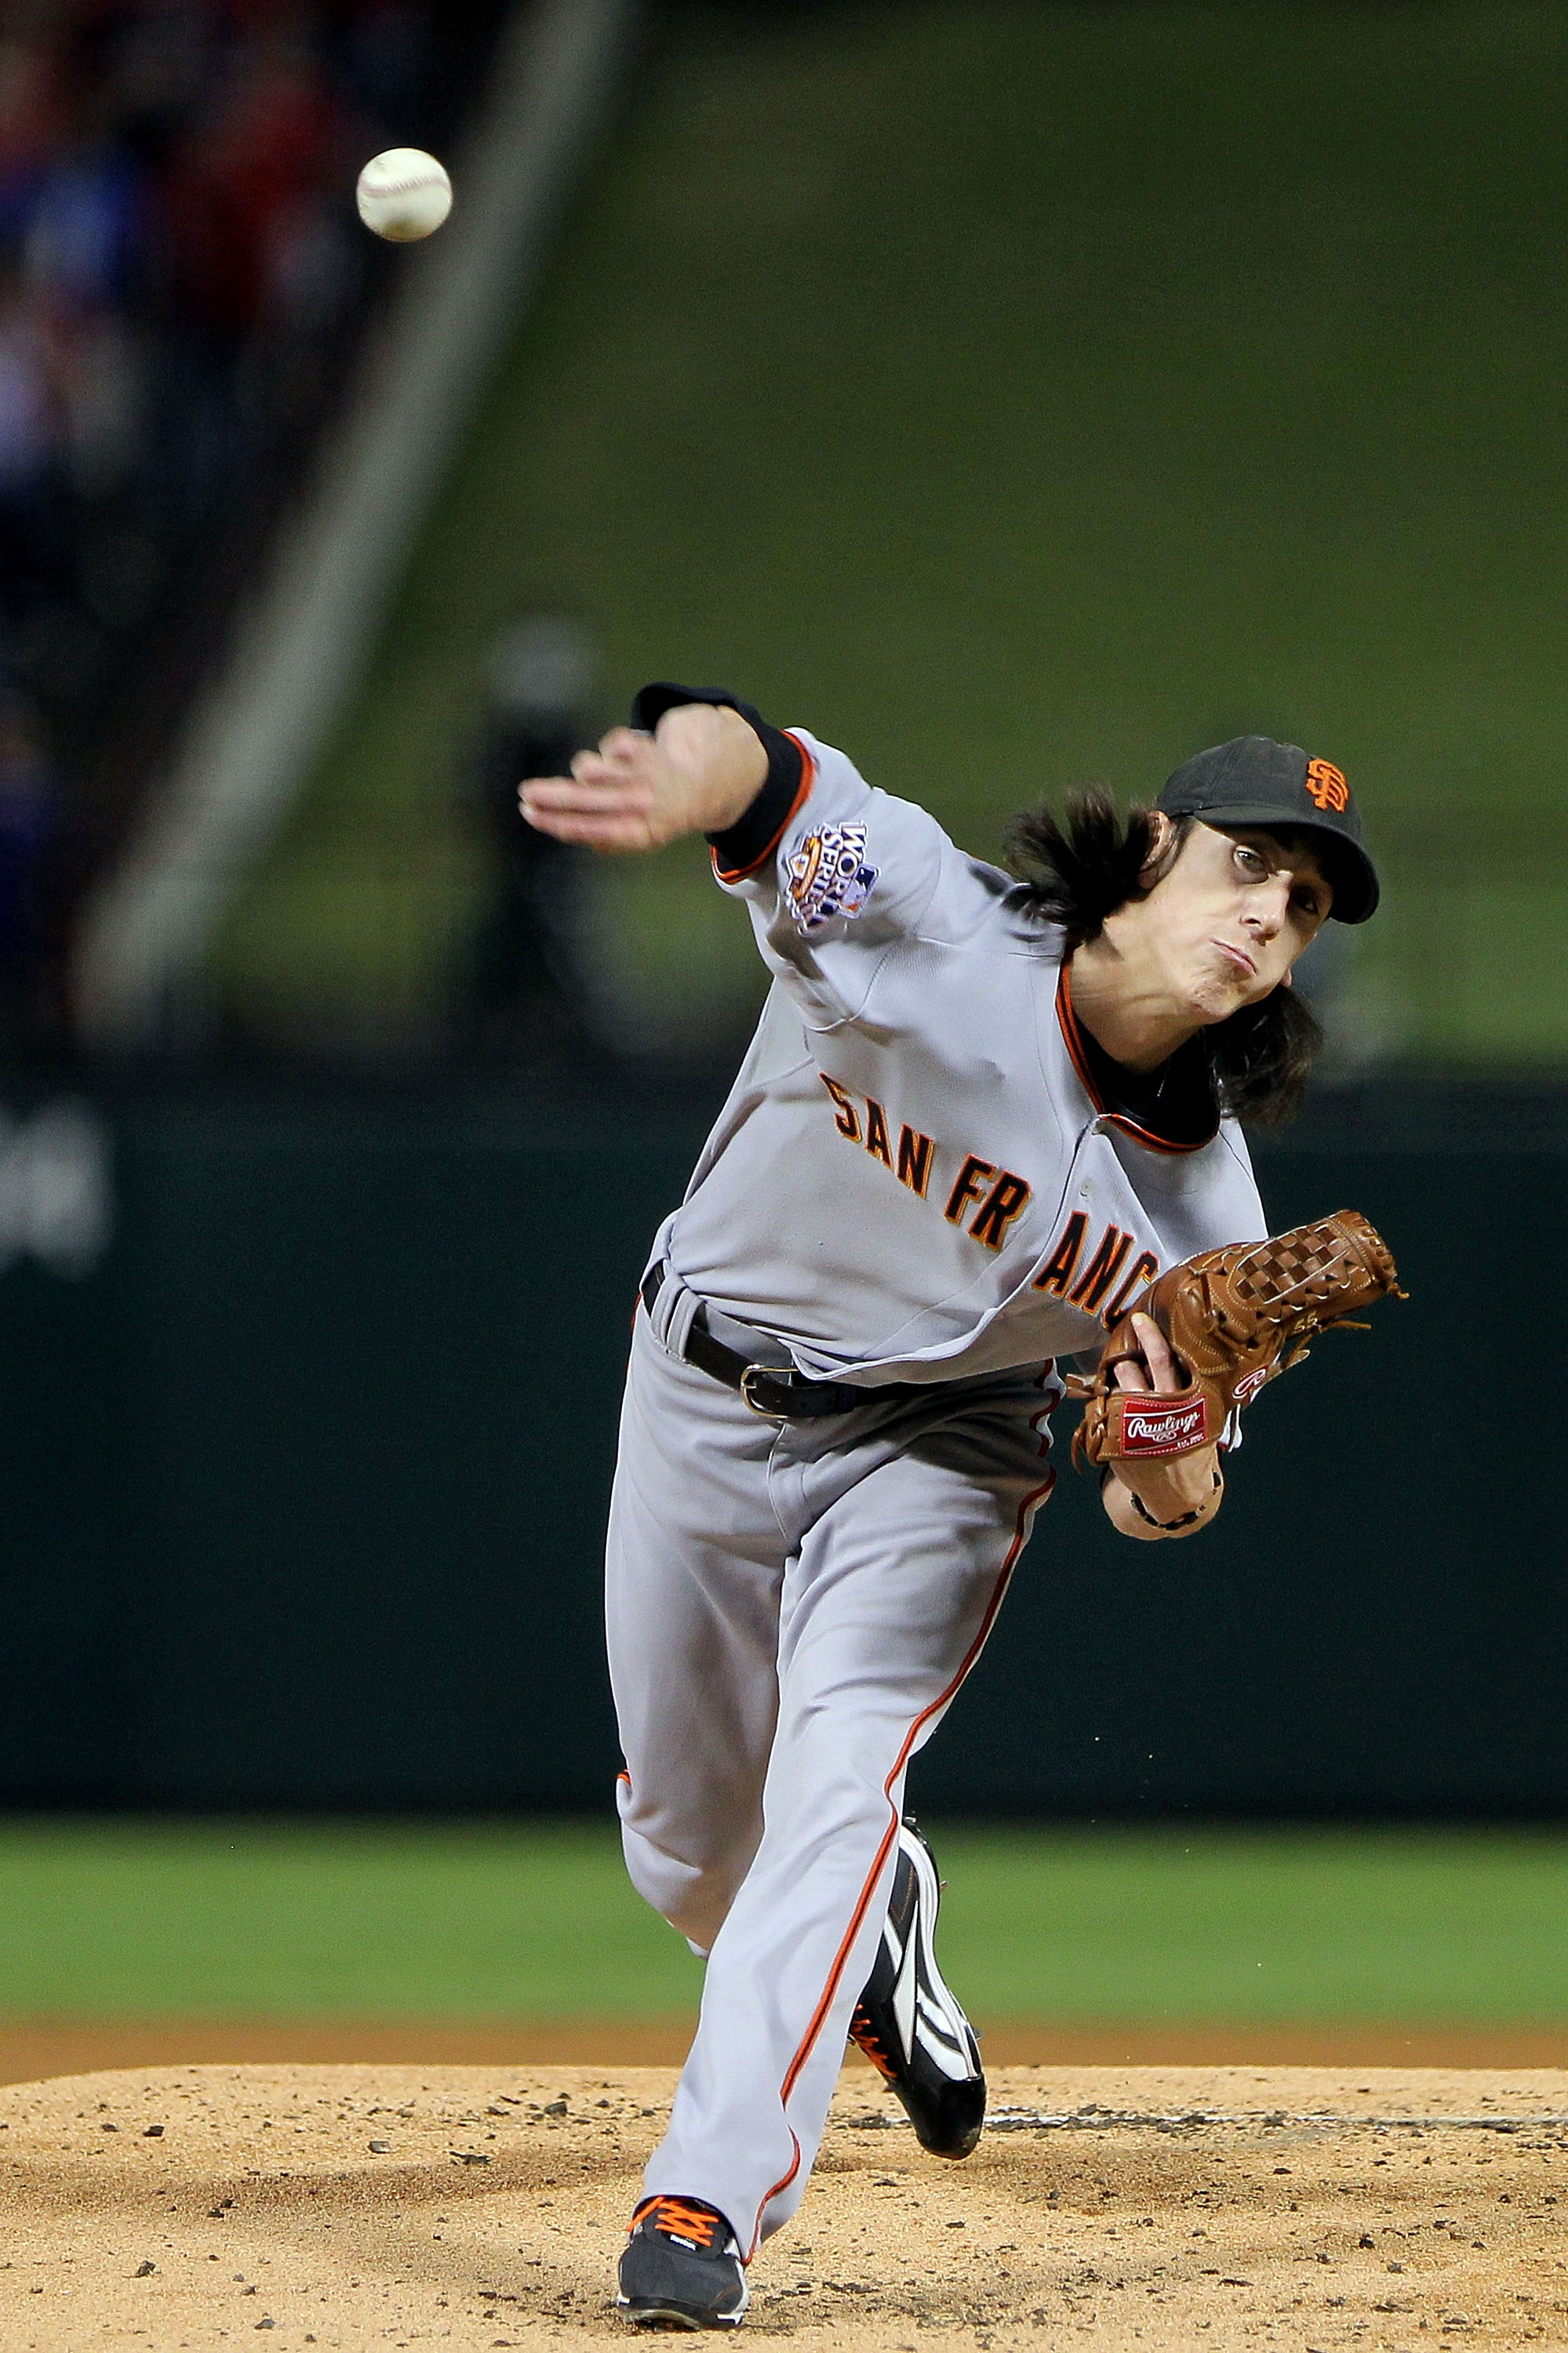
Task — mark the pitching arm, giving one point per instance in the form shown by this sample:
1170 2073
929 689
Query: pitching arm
699 771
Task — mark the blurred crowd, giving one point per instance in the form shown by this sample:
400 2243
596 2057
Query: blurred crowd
179 259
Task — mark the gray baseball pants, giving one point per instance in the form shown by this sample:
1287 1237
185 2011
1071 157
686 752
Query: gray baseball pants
790 1607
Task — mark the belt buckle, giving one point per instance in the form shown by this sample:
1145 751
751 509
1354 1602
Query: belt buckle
759 1372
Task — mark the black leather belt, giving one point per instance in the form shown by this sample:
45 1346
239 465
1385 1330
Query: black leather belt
778 1393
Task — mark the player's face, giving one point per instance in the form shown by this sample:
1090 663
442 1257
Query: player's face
1233 916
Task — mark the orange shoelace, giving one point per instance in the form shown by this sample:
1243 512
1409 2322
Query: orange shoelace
864 2035
682 2218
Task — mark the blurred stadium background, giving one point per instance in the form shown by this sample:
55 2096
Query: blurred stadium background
1019 394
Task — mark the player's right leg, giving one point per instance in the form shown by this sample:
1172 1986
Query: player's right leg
695 1566
907 1520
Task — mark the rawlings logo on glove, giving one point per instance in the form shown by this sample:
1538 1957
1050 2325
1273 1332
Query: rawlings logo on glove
1234 1318
1174 1430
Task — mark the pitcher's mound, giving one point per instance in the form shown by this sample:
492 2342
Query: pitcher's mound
468 2206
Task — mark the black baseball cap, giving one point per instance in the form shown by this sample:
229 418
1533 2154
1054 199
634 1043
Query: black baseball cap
1254 781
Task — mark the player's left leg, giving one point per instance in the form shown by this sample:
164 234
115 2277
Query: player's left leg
909 2024
909 1527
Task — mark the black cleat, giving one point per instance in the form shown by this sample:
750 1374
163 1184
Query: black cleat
906 2021
681 2267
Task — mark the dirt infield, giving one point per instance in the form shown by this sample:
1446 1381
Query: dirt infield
1155 2208
35 2047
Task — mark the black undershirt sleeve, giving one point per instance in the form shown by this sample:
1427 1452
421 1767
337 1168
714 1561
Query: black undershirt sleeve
744 844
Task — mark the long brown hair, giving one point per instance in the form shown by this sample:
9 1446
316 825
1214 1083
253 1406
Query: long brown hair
1078 870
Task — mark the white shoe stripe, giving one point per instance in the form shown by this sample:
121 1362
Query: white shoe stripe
905 1993
948 2036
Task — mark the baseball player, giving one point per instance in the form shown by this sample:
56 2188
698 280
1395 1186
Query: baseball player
977 1116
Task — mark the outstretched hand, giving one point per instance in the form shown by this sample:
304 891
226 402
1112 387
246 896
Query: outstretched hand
699 772
1167 1490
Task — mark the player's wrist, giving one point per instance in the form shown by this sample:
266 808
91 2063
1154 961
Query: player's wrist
718 761
750 833
1203 1509
1160 1515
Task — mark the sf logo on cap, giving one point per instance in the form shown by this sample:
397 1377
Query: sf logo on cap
1327 786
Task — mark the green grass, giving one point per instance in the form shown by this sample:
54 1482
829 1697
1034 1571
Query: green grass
111 1920
253 1920
1308 1926
1020 395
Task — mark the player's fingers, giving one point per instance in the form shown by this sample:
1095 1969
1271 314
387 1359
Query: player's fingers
1128 1374
588 833
594 829
621 754
602 796
625 744
534 800
1163 1372
603 767
534 813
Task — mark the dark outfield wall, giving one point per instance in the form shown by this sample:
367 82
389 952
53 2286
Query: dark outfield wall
307 1415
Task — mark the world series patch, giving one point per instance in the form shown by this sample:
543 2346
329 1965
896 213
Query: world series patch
827 876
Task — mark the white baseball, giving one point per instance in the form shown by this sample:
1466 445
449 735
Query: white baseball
404 193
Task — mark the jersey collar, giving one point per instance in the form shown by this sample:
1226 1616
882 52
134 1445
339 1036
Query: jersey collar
1191 1122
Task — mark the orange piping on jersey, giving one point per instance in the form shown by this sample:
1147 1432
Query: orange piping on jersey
808 778
1075 1044
808 2042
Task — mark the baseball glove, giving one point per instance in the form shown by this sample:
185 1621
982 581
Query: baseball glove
1234 1318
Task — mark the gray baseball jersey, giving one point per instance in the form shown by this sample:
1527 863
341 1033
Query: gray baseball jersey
915 1176
916 1179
